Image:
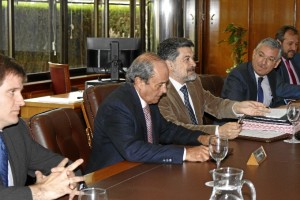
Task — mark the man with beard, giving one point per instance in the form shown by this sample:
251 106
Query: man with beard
289 67
186 100
246 80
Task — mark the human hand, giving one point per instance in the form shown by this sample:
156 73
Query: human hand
230 130
58 183
197 154
60 167
252 108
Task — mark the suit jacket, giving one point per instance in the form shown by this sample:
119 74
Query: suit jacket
173 109
240 85
283 72
25 157
121 133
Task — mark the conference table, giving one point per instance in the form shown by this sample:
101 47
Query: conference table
277 177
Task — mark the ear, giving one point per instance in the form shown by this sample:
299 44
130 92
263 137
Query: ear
138 82
279 41
253 54
170 65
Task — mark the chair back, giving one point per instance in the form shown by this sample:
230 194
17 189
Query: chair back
92 97
214 84
62 131
60 77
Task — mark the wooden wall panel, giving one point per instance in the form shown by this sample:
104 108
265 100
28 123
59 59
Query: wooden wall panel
217 57
267 17
297 16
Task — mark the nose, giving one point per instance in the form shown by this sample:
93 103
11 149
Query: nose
20 100
164 89
265 60
193 62
294 47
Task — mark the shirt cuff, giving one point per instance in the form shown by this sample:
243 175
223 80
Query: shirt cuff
236 114
184 154
217 131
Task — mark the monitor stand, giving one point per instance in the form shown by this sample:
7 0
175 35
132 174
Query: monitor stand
116 65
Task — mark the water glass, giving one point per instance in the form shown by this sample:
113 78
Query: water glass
93 194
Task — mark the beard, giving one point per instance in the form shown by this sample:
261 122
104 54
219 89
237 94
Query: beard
191 77
289 54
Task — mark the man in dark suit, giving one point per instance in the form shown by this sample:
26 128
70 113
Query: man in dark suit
121 128
289 67
242 82
179 57
20 155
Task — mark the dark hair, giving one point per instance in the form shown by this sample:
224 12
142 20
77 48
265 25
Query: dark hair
280 33
10 66
167 49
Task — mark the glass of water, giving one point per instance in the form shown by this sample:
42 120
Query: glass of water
218 148
93 194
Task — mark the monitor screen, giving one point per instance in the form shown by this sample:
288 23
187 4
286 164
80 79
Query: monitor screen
106 55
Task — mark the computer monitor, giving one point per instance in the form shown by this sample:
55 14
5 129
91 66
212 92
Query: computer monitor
111 55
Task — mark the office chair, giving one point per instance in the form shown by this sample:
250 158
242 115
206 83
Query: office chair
92 98
60 76
62 131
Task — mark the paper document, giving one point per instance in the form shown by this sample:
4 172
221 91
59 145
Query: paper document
261 134
276 113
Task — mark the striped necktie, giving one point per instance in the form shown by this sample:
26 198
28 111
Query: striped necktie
188 105
147 114
3 161
291 72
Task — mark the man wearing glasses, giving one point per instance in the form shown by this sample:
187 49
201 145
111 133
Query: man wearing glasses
256 80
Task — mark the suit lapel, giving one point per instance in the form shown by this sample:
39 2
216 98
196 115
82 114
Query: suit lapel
252 79
193 93
141 121
176 100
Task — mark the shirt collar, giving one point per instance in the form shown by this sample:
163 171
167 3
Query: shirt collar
257 76
176 84
143 102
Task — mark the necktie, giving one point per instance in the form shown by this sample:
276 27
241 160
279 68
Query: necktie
292 75
3 161
148 123
260 92
187 104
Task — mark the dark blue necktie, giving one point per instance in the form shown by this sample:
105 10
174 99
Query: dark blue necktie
3 161
260 92
187 104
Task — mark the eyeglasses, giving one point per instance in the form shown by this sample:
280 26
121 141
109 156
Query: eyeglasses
270 59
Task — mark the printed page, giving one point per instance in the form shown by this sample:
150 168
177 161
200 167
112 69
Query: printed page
261 133
276 113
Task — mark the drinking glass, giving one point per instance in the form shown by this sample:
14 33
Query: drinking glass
293 113
93 194
218 148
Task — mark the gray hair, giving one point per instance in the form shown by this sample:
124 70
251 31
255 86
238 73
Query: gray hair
142 67
167 49
272 43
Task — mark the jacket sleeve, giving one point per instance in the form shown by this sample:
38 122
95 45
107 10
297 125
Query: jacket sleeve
25 156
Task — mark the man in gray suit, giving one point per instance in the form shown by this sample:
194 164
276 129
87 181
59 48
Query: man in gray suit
179 56
20 155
